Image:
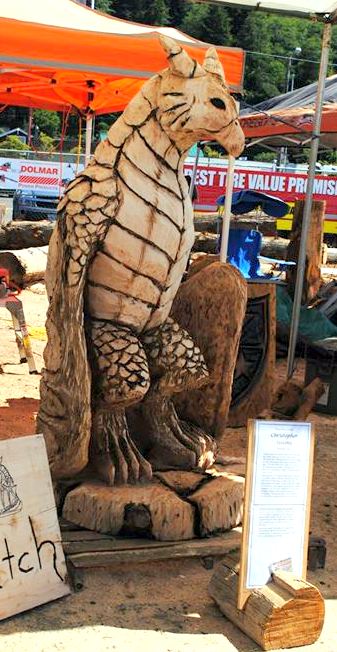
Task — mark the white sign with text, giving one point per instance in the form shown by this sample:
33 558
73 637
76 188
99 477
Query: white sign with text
277 504
32 564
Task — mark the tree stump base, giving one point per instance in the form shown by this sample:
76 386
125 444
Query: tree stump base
170 508
287 612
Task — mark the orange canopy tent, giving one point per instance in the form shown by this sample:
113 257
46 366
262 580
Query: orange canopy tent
57 54
290 127
288 120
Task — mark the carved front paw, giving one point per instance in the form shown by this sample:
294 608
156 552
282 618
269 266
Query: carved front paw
113 454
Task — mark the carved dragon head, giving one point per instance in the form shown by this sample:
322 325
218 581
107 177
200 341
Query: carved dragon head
194 102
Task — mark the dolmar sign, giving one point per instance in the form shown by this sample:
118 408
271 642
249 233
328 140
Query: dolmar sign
32 564
39 175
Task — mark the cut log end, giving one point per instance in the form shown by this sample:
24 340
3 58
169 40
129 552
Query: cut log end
288 612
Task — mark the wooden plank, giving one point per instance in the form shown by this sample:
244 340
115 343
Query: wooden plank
66 526
216 547
110 544
83 535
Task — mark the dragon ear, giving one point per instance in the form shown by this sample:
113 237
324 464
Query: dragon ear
179 61
212 63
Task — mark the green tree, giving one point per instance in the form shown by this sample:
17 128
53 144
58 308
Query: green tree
47 143
142 11
104 5
13 142
48 121
177 11
208 23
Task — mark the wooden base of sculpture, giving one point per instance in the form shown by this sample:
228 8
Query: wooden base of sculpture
252 390
175 506
288 612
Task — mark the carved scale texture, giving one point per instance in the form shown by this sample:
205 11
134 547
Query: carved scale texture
136 187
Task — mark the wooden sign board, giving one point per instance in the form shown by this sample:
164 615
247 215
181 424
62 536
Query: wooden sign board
32 564
277 502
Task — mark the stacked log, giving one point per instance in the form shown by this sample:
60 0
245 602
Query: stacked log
25 266
20 235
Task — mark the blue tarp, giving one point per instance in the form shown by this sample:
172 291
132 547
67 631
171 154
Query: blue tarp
313 325
245 201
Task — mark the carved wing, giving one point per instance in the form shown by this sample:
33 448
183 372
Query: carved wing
85 214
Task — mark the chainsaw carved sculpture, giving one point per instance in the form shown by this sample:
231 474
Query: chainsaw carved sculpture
116 259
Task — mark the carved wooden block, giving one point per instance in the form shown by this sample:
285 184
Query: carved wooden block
116 258
175 506
182 482
150 508
211 305
219 504
253 382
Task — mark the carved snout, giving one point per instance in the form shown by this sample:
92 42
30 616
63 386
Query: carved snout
234 141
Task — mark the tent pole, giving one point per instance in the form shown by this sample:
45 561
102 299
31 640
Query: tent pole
308 199
88 138
226 219
194 171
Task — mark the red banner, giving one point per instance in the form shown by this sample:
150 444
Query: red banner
211 183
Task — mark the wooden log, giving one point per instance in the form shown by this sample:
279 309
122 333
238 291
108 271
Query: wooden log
26 266
182 482
206 242
287 612
207 223
266 225
219 504
252 390
21 235
98 507
274 247
312 276
277 248
211 306
294 401
310 396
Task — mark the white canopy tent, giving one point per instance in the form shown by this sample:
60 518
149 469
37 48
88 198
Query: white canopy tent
326 12
299 8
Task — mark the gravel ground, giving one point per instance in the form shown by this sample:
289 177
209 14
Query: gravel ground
158 607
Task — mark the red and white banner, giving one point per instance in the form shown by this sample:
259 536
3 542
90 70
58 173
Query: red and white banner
50 175
211 183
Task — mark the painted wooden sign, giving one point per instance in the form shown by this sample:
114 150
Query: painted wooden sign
277 502
32 564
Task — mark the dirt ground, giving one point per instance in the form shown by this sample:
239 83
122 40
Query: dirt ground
162 606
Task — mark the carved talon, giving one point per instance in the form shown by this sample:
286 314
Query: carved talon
113 453
176 443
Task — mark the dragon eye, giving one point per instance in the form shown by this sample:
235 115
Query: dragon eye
219 104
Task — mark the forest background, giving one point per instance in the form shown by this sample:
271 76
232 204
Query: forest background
269 42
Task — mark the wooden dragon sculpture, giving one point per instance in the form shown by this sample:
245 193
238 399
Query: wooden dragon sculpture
116 259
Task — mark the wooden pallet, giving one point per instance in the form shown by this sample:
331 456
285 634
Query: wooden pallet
87 549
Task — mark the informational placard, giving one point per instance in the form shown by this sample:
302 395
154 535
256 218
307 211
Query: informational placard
32 564
277 502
